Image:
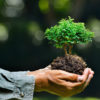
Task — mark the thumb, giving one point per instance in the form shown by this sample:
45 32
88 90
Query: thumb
48 67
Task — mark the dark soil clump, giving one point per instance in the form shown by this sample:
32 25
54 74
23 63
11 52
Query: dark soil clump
69 63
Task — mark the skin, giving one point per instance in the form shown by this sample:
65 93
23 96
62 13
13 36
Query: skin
61 83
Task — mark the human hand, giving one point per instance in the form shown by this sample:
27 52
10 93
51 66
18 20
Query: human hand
60 82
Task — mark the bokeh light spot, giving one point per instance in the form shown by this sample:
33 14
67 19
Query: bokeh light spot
44 5
36 33
3 33
13 8
14 2
94 25
61 5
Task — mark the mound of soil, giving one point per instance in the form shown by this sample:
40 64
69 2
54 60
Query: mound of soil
69 63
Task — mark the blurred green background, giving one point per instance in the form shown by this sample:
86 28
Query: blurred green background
74 98
22 43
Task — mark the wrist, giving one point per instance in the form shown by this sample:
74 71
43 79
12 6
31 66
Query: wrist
40 79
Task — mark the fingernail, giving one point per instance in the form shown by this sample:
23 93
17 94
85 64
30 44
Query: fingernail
90 76
80 78
92 72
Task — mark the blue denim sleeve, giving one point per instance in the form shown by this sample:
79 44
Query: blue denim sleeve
16 85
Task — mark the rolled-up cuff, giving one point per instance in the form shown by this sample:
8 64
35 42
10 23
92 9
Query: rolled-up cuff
16 85
24 86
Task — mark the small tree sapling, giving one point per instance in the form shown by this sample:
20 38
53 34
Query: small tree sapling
66 34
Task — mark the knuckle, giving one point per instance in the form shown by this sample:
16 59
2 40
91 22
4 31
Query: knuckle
60 72
53 79
73 77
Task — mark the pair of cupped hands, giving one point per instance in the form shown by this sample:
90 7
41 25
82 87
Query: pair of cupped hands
61 83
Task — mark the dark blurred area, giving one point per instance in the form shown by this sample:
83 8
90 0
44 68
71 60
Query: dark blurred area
22 27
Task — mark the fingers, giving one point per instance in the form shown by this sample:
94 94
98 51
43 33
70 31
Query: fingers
85 75
68 76
89 78
91 71
48 67
85 79
73 80
81 79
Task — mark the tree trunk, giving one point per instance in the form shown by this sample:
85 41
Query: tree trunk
65 50
70 49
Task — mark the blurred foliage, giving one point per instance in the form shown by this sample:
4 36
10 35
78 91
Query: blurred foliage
56 5
36 33
79 98
3 33
61 5
44 6
90 98
1 3
94 25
